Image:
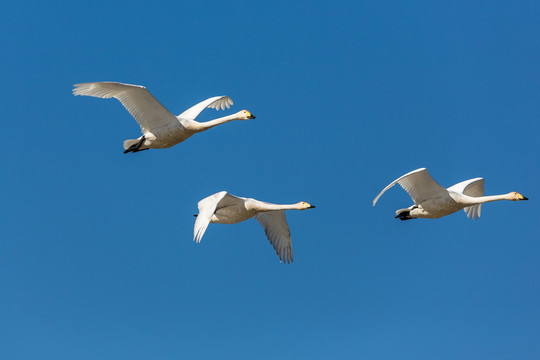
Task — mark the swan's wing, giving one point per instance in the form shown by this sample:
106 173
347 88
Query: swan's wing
145 108
419 184
207 208
216 102
473 187
474 211
277 231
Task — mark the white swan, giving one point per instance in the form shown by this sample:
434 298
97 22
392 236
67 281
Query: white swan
433 201
225 208
160 128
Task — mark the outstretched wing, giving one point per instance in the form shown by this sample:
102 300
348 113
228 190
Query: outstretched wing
473 187
207 208
277 231
419 184
216 102
144 107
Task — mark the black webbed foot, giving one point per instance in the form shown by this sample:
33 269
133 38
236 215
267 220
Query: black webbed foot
404 215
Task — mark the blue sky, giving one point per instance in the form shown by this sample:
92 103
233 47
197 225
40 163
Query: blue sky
96 253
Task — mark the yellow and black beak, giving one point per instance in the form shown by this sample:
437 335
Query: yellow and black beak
521 197
251 116
311 206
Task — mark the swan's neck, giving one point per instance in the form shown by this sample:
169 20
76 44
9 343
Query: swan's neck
260 206
471 200
198 126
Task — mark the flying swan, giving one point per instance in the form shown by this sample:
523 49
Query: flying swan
160 128
432 201
224 208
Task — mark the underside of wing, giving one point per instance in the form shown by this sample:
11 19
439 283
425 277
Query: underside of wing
419 184
278 233
145 108
473 187
473 212
207 208
216 102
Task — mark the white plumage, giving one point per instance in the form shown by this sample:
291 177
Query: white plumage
433 201
225 208
160 128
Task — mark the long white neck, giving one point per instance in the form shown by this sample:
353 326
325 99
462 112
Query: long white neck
471 200
198 126
260 206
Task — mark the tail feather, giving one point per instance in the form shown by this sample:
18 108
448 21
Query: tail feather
134 145
129 143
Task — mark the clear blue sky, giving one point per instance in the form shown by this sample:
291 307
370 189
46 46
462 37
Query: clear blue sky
96 253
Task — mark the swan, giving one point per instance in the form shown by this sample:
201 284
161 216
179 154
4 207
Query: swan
160 128
433 201
224 208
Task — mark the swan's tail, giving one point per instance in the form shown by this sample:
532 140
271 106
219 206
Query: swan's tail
404 214
134 145
129 143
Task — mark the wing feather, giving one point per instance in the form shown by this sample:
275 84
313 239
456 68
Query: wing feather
473 187
207 208
215 102
145 108
419 184
278 233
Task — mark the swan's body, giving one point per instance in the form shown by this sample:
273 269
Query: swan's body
224 208
433 201
160 128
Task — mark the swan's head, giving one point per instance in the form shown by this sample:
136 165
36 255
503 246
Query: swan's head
245 115
515 196
304 205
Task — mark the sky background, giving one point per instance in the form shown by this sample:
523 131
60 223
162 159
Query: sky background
96 253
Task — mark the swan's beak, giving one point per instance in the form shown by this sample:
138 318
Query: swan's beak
521 197
311 207
251 116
